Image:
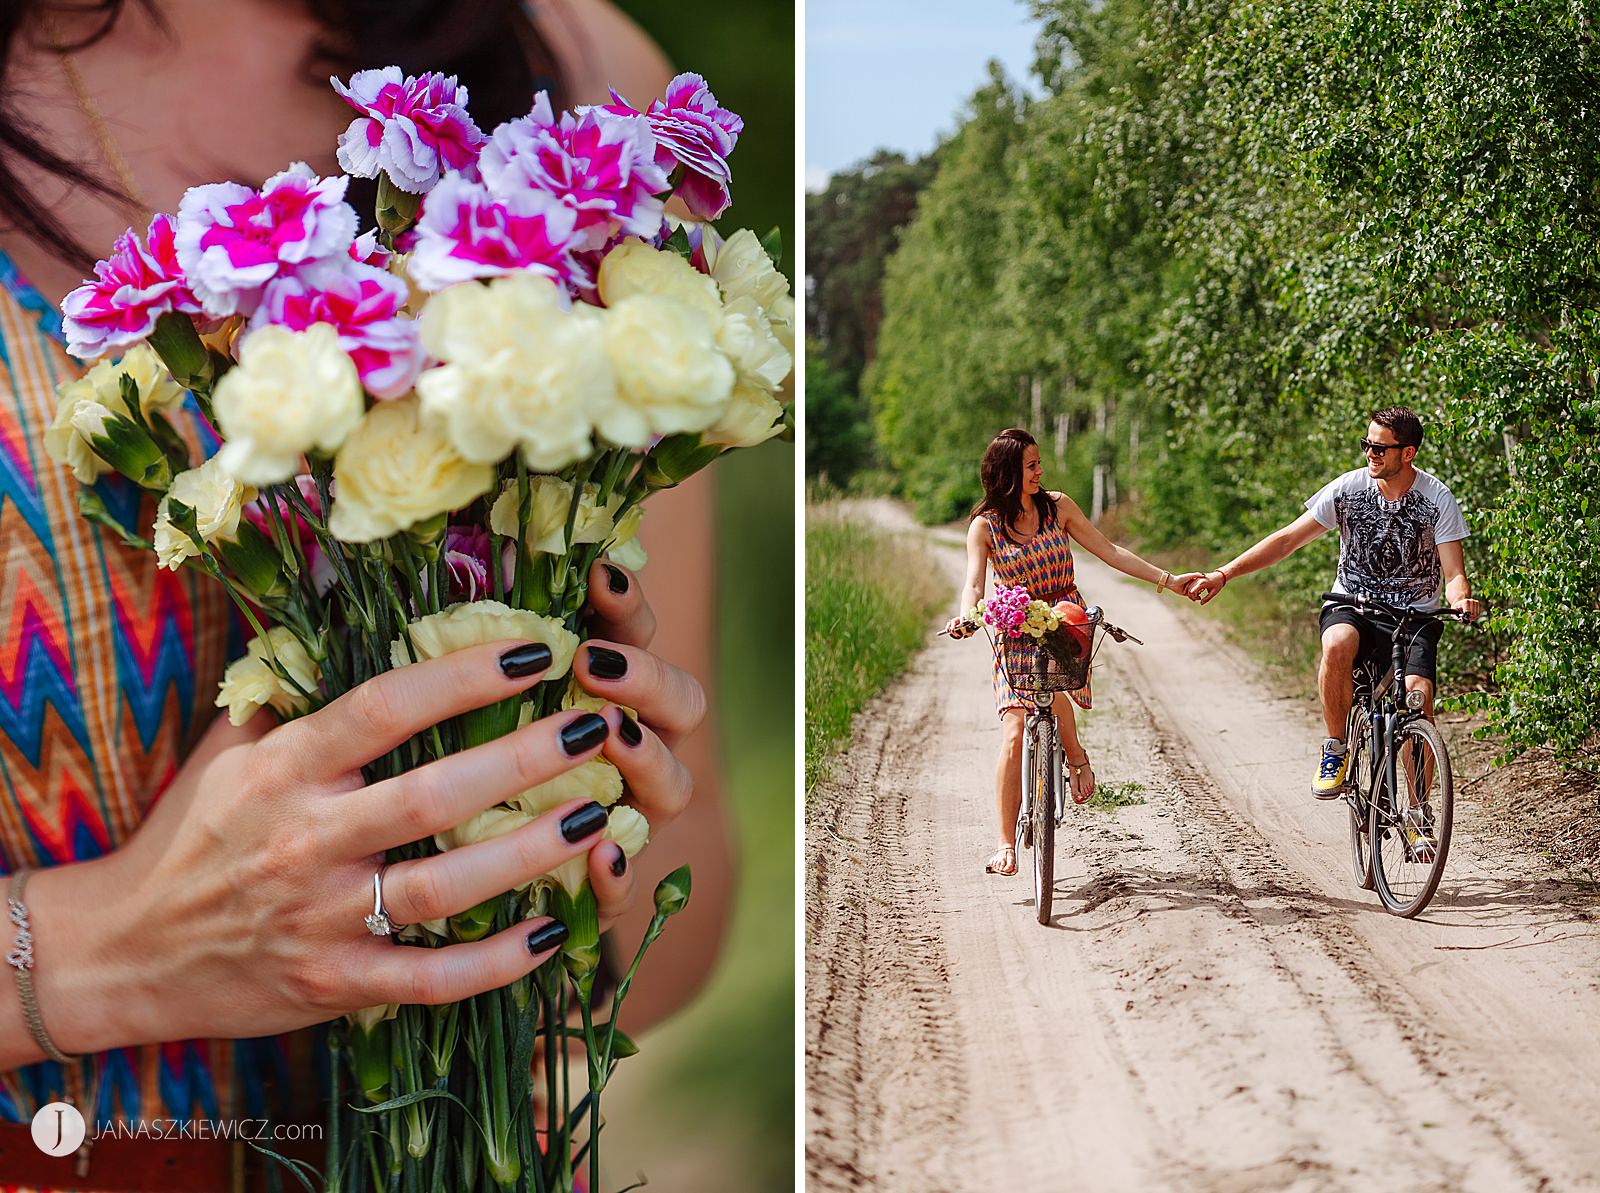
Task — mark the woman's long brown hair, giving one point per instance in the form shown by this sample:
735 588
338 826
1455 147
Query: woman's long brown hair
1001 474
490 45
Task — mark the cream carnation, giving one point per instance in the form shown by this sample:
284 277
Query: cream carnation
475 622
485 826
781 315
397 469
549 504
629 829
633 267
742 269
370 1017
752 417
85 403
595 780
625 547
745 336
251 681
292 392
671 378
217 500
522 370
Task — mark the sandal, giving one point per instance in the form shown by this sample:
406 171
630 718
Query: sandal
1003 862
1082 792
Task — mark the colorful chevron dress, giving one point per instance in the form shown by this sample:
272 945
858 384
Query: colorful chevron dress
108 666
1043 565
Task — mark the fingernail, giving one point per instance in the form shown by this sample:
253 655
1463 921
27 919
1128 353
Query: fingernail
619 864
584 822
546 937
616 579
605 663
583 733
628 730
522 661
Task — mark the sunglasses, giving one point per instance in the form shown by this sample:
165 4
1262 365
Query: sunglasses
1380 449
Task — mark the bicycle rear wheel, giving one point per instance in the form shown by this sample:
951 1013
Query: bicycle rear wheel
1410 824
1043 790
1361 778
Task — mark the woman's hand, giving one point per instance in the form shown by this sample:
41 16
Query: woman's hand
959 627
670 703
237 908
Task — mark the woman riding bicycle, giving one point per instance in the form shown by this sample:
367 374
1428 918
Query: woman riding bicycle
1025 533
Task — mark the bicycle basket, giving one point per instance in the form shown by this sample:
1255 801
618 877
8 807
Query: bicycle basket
1057 663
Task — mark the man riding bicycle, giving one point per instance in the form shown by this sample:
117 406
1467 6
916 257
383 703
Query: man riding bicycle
1400 531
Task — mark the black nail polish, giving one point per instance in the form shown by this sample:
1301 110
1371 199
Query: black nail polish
546 937
583 733
605 663
616 579
583 822
628 730
522 661
619 864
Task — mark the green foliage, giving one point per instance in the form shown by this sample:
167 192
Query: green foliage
869 601
838 437
1234 230
851 229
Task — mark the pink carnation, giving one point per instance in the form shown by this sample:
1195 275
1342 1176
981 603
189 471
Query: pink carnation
368 251
465 232
135 286
232 241
414 128
363 305
600 164
692 131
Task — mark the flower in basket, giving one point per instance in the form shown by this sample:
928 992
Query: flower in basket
430 431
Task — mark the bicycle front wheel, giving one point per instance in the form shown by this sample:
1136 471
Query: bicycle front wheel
1409 824
1043 789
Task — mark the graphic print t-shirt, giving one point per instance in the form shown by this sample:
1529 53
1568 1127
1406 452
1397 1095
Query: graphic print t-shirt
1388 550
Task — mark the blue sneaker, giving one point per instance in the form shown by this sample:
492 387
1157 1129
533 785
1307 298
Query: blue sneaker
1330 774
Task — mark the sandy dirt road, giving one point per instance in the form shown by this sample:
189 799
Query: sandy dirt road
1215 1006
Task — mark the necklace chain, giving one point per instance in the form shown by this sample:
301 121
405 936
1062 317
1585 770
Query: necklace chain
91 113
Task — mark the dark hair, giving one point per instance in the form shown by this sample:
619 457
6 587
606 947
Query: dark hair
1001 474
491 45
1405 424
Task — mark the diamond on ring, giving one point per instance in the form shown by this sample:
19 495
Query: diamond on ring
378 923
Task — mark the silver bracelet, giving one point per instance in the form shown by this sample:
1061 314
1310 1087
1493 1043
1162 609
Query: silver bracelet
21 959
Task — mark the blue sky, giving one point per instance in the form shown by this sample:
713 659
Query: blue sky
893 73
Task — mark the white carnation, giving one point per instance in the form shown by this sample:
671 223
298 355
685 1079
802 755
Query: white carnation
292 392
475 622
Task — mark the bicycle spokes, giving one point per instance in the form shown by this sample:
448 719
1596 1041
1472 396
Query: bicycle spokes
1410 821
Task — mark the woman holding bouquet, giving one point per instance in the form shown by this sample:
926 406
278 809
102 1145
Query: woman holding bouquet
198 889
1025 533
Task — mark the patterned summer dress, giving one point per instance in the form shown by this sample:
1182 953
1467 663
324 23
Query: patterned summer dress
1042 565
109 666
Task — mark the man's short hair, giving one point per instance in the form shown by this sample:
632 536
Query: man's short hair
1403 421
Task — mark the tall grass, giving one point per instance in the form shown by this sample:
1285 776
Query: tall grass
870 597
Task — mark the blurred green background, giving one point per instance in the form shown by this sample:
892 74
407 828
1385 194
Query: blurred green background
709 1104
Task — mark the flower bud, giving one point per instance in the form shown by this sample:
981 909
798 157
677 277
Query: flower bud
672 894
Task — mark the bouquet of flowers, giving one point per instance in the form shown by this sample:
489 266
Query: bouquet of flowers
391 445
1062 629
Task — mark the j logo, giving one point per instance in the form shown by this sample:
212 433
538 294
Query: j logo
58 1129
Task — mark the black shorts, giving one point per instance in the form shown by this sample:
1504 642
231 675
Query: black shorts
1420 644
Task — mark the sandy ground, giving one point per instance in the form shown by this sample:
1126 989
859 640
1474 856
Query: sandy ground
1216 1005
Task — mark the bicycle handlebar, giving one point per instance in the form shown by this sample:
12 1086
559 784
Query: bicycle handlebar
1352 601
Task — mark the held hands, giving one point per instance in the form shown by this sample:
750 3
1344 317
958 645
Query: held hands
236 909
1184 584
1207 586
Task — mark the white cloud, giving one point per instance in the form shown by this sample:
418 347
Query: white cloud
816 178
